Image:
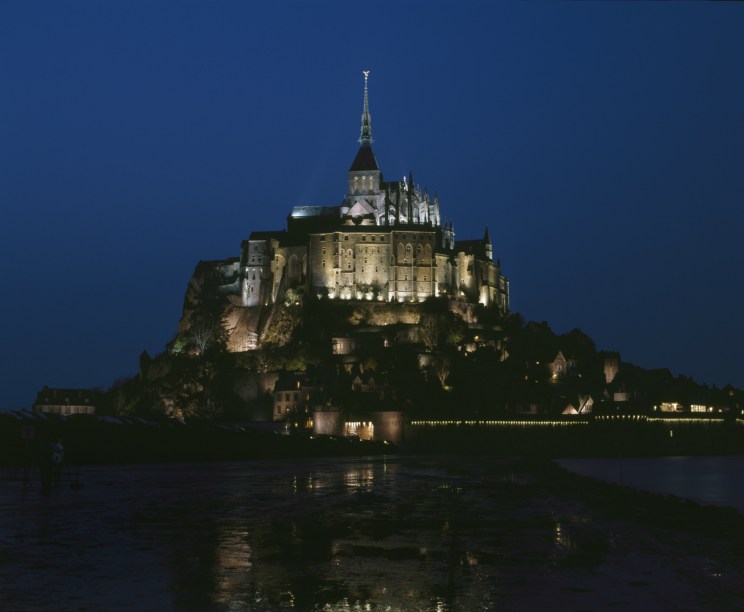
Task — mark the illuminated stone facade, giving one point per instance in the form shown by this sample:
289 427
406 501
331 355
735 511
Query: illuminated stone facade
386 241
65 401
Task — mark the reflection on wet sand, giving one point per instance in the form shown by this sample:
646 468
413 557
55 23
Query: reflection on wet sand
397 534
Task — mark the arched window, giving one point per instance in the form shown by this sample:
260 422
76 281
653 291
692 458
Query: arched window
427 252
401 253
356 187
419 253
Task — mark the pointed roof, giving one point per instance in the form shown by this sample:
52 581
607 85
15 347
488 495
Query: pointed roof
486 237
364 160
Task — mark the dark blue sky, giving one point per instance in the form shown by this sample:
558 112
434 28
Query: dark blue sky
603 144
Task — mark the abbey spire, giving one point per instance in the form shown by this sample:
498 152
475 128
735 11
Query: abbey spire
365 137
365 158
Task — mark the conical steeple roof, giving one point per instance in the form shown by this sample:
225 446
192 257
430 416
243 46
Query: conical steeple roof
364 160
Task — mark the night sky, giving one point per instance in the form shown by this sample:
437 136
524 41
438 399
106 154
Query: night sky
603 145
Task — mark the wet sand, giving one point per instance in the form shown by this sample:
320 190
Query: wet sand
392 533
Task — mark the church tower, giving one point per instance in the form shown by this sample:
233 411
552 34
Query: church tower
364 195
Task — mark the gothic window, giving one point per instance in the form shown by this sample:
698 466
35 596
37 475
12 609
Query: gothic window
427 251
409 251
349 253
419 252
356 184
401 254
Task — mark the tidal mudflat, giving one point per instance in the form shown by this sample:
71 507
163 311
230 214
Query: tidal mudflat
384 533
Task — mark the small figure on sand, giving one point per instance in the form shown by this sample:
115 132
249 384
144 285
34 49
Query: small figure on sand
51 464
58 456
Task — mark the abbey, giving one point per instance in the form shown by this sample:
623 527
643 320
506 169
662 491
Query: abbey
385 241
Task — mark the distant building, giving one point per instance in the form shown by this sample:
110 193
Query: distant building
561 367
66 401
295 396
611 366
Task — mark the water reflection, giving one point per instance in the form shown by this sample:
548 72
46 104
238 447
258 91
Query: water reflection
355 536
351 534
359 479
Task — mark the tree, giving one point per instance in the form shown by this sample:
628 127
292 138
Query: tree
441 365
204 334
429 330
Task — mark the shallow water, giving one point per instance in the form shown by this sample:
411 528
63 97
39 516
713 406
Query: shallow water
716 481
342 534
